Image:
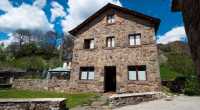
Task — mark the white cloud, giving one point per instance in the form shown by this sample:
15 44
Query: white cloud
79 10
57 10
175 34
24 17
40 3
5 5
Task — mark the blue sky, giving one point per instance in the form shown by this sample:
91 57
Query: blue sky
62 15
157 8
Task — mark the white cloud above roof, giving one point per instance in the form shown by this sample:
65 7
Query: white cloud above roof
79 10
175 34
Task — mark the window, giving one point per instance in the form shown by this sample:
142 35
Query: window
110 41
137 73
135 39
89 44
87 73
110 19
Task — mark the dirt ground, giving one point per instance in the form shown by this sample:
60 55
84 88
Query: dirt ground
177 103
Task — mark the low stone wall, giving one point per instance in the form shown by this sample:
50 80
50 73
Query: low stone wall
41 84
33 104
133 98
82 86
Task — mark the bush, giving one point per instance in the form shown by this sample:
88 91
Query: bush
30 63
167 74
181 64
192 87
178 85
54 62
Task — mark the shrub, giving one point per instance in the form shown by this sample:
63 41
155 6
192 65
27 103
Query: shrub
30 63
178 84
167 74
192 87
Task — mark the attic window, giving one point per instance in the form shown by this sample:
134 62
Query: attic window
111 19
89 44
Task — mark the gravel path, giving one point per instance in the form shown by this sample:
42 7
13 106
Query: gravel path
177 103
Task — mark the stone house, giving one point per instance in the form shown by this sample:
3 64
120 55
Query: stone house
115 50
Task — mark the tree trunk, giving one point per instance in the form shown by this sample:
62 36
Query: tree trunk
191 17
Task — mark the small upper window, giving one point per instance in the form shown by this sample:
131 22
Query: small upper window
137 73
110 19
89 44
135 39
110 41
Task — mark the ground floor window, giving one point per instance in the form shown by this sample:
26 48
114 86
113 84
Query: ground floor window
137 72
86 73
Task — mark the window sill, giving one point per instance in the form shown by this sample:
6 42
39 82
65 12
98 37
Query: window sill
89 49
138 82
108 24
109 48
134 46
82 81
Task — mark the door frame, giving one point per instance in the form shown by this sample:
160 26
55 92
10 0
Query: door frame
115 76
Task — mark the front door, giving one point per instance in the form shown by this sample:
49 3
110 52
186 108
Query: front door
109 78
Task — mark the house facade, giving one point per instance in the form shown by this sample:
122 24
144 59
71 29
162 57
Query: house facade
115 50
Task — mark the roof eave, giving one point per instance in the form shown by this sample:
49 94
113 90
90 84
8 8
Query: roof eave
154 20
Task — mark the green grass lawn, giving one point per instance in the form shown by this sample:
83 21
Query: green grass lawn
73 99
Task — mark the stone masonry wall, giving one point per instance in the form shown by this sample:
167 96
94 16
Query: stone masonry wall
132 99
40 85
121 56
52 85
32 104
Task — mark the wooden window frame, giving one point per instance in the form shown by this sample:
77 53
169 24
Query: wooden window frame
110 37
112 16
134 35
137 69
85 40
88 67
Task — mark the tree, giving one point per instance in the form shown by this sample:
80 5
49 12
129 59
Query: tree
47 52
2 55
12 49
23 36
67 46
28 49
2 46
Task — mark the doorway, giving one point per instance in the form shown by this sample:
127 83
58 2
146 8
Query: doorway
109 79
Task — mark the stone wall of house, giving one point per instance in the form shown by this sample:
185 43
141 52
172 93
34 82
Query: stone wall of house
121 56
33 104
